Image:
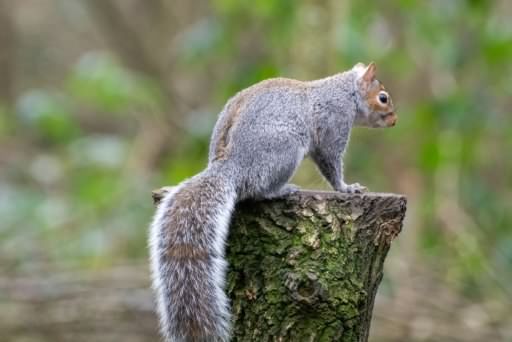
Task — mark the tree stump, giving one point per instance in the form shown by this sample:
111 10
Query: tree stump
307 267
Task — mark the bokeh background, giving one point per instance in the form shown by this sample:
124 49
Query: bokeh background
103 101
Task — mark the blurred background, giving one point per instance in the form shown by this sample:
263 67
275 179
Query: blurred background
103 101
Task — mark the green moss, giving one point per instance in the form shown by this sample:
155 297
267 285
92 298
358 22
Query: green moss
299 271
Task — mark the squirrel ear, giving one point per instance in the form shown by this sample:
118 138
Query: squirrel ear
369 73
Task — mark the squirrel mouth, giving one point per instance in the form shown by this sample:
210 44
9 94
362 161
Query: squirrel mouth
386 116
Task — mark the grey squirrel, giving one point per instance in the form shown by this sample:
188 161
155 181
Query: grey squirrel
259 140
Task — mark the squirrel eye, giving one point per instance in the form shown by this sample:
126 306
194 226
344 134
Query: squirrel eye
383 97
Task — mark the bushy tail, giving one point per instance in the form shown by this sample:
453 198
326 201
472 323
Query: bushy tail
187 246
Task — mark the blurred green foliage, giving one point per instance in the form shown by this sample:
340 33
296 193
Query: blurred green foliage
80 155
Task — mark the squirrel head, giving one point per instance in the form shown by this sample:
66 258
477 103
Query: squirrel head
375 106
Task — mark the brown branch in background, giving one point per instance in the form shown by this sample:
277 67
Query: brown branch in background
7 54
123 37
133 45
129 45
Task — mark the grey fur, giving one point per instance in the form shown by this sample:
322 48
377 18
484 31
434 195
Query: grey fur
260 138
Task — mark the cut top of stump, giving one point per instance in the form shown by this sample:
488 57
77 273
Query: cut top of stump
387 208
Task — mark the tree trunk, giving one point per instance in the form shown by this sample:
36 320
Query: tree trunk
307 267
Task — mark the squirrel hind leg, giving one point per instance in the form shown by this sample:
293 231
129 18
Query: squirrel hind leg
264 164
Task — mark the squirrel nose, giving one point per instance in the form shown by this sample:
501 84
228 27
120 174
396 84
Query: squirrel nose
391 119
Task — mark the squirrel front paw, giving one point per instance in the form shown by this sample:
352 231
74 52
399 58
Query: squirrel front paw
355 188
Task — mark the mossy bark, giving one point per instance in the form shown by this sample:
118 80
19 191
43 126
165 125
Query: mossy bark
307 267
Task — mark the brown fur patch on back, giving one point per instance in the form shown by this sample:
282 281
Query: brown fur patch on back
233 111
